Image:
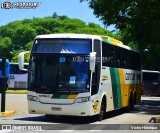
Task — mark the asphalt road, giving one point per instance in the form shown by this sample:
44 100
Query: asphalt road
147 109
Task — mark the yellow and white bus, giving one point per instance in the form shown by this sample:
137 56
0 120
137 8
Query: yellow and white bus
81 75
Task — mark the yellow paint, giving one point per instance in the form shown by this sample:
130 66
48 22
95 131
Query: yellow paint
126 89
121 75
105 77
113 40
7 113
72 96
95 105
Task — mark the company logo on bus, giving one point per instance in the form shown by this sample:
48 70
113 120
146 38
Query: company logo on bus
80 59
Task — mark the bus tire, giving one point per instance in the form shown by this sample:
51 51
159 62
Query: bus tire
49 117
135 99
101 114
131 103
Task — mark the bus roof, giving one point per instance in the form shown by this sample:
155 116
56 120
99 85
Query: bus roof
69 35
116 42
107 39
150 71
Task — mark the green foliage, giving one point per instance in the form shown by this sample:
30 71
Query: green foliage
138 23
28 46
5 47
15 57
18 36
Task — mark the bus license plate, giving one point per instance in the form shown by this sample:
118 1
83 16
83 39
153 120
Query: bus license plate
56 109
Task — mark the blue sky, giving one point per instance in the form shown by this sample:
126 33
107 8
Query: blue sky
70 8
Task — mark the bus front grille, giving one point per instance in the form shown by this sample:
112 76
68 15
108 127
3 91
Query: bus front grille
20 84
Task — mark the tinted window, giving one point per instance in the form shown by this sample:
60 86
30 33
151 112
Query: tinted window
108 55
14 69
115 56
150 76
96 74
80 46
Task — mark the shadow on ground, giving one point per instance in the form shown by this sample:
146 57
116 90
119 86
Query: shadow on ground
71 119
150 107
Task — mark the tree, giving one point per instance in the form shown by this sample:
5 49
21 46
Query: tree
5 47
137 21
18 36
23 35
15 57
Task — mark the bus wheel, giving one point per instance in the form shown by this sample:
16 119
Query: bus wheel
102 111
49 117
131 103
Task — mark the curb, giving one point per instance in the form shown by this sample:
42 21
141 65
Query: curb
16 92
7 113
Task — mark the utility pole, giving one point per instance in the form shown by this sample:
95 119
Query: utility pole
3 86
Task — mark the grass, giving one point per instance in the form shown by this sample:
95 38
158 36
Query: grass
17 91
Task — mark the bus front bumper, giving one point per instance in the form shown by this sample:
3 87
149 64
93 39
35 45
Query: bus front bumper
75 109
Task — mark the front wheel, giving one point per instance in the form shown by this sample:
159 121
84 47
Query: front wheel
101 114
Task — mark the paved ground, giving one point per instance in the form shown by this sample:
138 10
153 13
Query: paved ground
147 109
17 102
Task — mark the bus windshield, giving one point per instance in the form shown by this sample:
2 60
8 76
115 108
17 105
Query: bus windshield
59 74
71 46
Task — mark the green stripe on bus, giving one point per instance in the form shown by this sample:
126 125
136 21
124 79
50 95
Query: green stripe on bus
118 88
60 96
106 40
56 96
63 97
114 88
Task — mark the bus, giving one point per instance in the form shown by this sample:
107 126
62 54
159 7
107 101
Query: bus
82 75
151 83
18 77
7 73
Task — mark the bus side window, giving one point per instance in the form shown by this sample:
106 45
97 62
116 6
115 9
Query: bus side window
96 74
94 82
118 57
112 56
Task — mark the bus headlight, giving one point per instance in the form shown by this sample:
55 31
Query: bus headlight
33 98
82 99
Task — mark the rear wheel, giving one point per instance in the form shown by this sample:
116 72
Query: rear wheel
131 103
101 114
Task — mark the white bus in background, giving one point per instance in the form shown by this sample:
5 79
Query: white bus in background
151 83
17 77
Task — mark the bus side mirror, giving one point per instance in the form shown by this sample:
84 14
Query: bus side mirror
21 59
92 61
